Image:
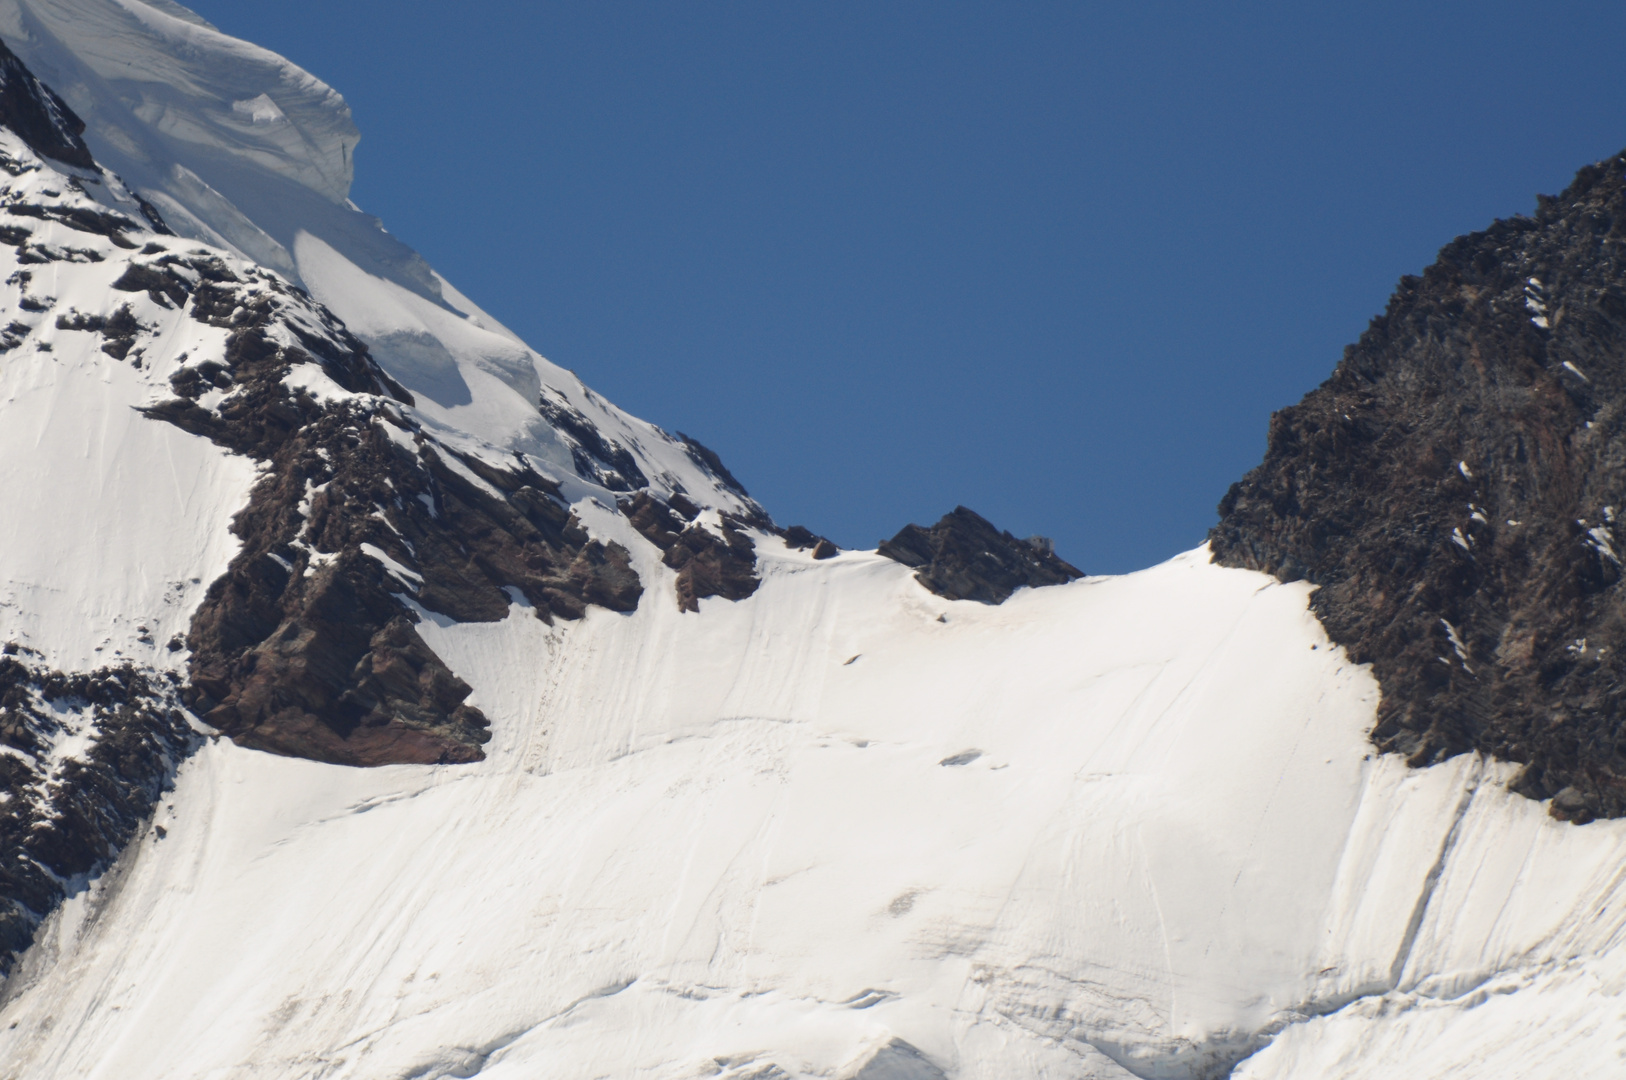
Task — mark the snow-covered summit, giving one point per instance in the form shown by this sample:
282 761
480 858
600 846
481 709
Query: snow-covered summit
159 88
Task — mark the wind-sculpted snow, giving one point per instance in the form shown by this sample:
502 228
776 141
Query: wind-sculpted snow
242 150
148 71
791 832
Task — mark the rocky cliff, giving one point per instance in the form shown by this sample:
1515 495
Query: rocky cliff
1454 490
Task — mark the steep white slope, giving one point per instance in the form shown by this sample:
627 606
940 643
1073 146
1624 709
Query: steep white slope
243 150
1124 827
114 524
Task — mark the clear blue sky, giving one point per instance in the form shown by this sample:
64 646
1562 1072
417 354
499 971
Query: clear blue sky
1057 262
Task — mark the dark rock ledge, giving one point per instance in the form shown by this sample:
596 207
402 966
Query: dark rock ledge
1455 489
713 562
308 644
709 563
36 115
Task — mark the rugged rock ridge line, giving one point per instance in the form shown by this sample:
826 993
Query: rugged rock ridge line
306 645
964 557
362 520
91 754
1454 490
312 690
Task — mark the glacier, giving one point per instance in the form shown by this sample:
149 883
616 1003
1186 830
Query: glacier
1124 827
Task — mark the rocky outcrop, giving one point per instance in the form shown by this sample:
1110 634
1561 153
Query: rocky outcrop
710 560
597 460
361 520
1454 489
360 523
707 459
306 646
964 557
66 815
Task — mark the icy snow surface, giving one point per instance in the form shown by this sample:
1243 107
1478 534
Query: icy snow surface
708 844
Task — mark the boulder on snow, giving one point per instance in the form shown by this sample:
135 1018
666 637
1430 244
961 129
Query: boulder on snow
1571 804
800 538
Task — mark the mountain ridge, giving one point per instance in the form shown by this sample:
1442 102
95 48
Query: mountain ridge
1451 489
364 517
646 762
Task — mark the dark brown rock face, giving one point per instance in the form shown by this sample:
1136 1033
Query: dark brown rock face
307 645
1454 489
360 522
65 818
708 460
41 119
964 557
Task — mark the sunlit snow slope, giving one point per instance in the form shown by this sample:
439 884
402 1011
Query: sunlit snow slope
1120 827
842 828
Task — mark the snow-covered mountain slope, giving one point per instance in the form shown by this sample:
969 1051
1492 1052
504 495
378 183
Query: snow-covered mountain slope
239 148
214 496
1123 827
712 799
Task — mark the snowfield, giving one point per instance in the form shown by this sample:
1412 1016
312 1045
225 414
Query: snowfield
1124 827
843 829
113 525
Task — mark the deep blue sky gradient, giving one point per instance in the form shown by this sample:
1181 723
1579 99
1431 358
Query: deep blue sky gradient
1058 262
